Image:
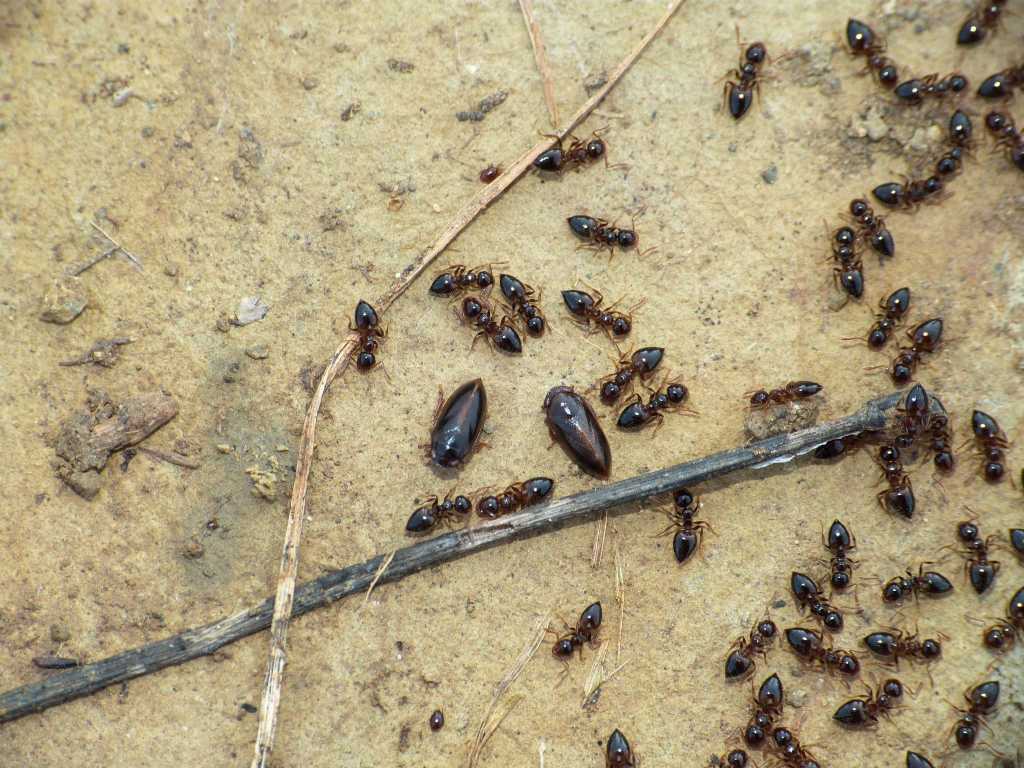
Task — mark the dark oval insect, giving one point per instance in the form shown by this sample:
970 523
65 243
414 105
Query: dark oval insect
489 174
583 226
995 86
859 36
437 720
770 695
573 424
549 160
960 128
365 316
915 760
458 424
891 194
618 754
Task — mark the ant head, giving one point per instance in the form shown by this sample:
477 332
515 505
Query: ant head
756 53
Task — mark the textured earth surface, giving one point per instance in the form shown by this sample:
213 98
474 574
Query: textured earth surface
303 154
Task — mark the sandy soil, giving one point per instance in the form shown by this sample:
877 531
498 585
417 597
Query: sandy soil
245 150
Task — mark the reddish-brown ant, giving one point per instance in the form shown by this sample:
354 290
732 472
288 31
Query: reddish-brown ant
1001 84
865 712
981 571
794 390
809 595
872 228
863 41
1002 635
587 312
740 661
688 532
640 364
894 644
909 195
520 297
669 397
458 279
517 496
894 307
925 338
1002 127
599 234
929 583
580 152
808 645
490 173
789 751
848 272
916 90
477 312
435 511
983 18
941 434
898 499
913 417
840 542
981 700
738 94
585 631
367 326
768 705
991 442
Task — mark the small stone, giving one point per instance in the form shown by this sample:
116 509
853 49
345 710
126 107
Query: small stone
194 549
350 111
264 483
595 82
309 83
86 483
223 324
121 97
250 310
797 698
171 269
233 373
259 352
397 65
770 174
224 448
59 633
934 133
64 302
919 141
148 131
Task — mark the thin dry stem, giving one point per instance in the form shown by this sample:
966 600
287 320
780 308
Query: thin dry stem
131 256
540 55
285 594
598 677
600 534
380 572
620 594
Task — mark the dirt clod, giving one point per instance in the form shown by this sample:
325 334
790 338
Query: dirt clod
64 302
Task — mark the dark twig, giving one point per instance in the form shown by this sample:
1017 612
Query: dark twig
202 641
170 458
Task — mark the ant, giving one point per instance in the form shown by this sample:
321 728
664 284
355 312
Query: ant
808 644
587 312
1002 127
1017 540
585 631
600 234
840 542
912 417
458 279
915 760
908 196
580 152
894 644
477 312
640 364
925 337
490 173
942 437
865 712
370 336
1001 84
520 296
863 41
740 661
837 447
982 19
1003 634
848 272
737 758
980 570
960 129
517 496
739 93
435 511
638 414
915 90
894 307
872 227
930 583
789 750
809 595
768 704
991 442
688 532
898 499
794 390
618 753
981 700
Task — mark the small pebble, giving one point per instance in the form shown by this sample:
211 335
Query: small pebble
770 174
437 720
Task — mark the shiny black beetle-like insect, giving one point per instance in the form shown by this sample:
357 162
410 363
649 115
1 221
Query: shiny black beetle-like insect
457 424
573 424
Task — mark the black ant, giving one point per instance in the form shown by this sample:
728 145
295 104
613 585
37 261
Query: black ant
639 414
794 390
836 447
916 90
929 583
367 326
739 93
768 705
982 19
910 195
477 311
458 279
960 129
941 435
1002 635
599 234
809 595
1017 540
520 297
580 152
865 712
789 750
736 758
872 228
863 41
434 511
898 499
587 312
619 754
1002 127
913 417
517 496
585 631
808 644
848 272
981 571
688 532
740 661
894 644
916 760
490 173
641 364
925 338
991 443
894 307
981 700
840 542
1001 84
